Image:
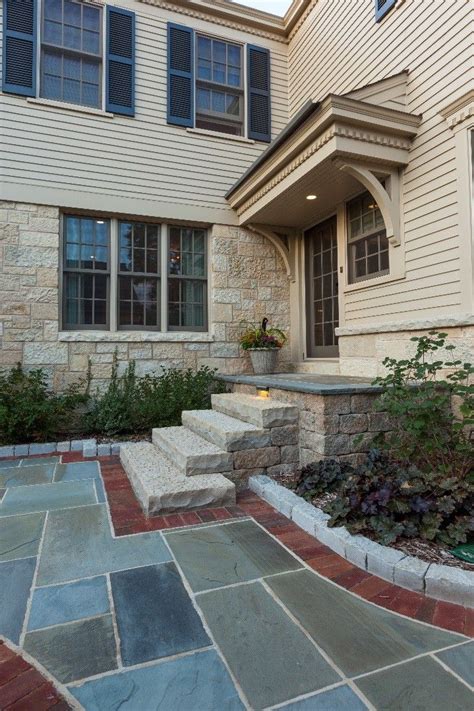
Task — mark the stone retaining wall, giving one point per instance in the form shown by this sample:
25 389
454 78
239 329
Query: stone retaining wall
247 281
330 425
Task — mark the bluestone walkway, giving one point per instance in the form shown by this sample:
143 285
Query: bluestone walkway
210 617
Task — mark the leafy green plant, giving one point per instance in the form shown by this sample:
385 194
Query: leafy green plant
391 500
31 412
433 415
131 404
261 336
323 477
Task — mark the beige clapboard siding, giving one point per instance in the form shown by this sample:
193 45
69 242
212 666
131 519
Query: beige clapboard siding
346 50
141 158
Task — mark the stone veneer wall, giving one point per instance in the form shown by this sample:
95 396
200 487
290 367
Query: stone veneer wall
330 425
247 281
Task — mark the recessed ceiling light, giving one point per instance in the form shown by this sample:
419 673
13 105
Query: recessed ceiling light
311 197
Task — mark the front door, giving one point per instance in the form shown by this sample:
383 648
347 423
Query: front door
322 306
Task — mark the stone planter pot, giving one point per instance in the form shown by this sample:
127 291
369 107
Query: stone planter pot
264 360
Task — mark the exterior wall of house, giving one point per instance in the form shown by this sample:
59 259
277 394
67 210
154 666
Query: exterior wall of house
337 47
143 166
247 278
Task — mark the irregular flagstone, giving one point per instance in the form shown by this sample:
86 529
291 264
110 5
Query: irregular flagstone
66 603
198 682
23 476
47 497
358 636
16 577
420 684
460 660
222 555
340 699
20 536
155 615
78 543
76 650
269 655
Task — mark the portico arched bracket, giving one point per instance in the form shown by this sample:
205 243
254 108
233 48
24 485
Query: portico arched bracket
279 244
388 197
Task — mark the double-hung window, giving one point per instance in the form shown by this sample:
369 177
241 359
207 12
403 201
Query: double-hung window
219 86
131 275
71 52
367 239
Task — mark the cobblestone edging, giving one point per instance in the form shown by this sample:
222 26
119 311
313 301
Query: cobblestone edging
440 582
87 447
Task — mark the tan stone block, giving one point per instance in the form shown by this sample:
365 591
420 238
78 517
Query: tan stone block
363 403
48 311
282 436
141 351
39 239
220 280
254 458
44 224
25 207
9 358
9 234
19 308
8 282
224 246
47 211
167 350
79 362
337 404
110 347
17 217
45 353
353 424
47 277
222 312
357 346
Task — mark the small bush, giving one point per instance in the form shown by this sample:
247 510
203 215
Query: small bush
391 500
135 405
31 412
322 477
433 416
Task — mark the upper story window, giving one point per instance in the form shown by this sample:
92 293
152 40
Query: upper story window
219 86
367 239
208 87
71 52
80 53
382 7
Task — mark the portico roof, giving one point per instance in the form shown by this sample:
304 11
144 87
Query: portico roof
324 151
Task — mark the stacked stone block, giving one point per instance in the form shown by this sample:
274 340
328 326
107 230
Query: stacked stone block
330 425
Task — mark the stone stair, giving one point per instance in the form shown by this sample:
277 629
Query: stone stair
200 463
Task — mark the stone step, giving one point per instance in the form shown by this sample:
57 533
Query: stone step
226 432
162 488
191 453
258 411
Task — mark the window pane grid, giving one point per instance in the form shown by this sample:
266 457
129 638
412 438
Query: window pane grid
71 52
368 243
325 291
187 279
86 272
139 275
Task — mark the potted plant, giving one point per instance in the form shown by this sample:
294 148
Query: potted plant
263 344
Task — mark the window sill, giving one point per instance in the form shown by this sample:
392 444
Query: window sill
217 134
70 107
135 337
376 281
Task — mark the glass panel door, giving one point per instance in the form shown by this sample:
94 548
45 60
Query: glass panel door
322 305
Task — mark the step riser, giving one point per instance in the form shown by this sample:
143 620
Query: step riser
192 465
277 416
215 491
224 440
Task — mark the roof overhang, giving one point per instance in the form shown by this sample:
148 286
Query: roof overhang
314 154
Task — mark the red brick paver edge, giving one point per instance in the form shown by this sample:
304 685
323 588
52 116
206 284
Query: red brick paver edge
24 688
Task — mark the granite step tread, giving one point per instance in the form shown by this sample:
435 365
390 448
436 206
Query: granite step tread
229 433
162 488
190 452
258 411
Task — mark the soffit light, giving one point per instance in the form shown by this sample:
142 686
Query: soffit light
311 197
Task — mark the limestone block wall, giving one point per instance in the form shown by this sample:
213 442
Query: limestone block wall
247 280
330 425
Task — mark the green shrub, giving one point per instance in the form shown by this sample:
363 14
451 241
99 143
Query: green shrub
131 404
31 412
391 500
433 416
322 477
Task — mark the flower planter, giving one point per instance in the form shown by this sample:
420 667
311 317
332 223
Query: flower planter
264 360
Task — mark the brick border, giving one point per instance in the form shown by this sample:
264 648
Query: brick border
23 687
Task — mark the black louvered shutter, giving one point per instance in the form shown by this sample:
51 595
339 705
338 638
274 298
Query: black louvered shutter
120 77
259 101
19 43
180 75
